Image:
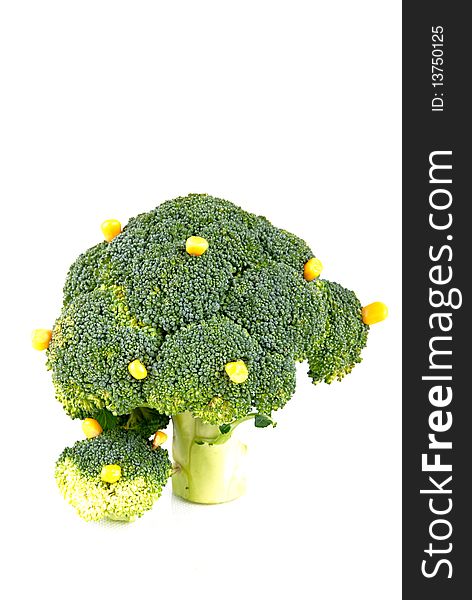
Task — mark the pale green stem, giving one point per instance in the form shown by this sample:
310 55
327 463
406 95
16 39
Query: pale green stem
208 464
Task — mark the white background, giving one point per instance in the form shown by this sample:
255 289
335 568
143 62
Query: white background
289 109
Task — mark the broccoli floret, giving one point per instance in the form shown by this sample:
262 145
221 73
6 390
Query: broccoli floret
275 383
278 307
283 246
93 342
167 287
86 273
338 351
190 372
144 472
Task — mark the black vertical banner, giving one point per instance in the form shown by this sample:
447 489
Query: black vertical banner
437 331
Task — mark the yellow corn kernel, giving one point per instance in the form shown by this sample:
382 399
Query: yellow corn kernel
196 246
312 269
110 229
159 438
40 338
91 428
374 313
237 371
137 369
110 473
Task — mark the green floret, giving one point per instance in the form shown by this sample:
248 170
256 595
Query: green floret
283 246
278 307
276 382
165 286
346 335
190 372
144 473
86 273
93 342
173 291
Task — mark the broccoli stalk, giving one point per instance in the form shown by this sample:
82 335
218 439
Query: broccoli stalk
208 464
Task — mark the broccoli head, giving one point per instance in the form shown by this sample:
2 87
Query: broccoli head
116 475
181 316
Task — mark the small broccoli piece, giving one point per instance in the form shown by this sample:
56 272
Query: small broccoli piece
338 351
144 473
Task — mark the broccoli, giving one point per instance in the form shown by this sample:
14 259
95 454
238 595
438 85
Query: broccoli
139 474
198 311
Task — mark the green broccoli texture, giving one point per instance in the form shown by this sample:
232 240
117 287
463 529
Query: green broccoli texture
144 473
215 334
142 296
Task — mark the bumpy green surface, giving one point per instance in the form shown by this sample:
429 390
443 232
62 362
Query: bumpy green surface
144 472
142 296
339 350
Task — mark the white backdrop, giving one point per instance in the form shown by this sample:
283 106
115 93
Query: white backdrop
289 109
